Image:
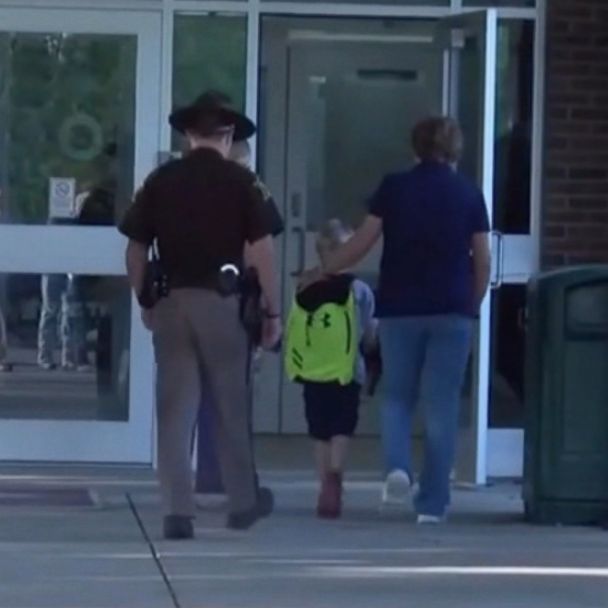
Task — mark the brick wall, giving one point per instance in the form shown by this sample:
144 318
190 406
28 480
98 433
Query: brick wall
575 205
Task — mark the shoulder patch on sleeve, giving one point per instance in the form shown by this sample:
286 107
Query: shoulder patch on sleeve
262 188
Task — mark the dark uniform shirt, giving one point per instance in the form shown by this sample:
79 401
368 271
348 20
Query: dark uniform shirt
201 210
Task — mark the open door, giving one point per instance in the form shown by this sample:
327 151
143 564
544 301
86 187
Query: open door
336 158
318 154
469 46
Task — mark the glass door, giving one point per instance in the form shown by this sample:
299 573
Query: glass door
469 44
339 98
79 128
353 97
515 224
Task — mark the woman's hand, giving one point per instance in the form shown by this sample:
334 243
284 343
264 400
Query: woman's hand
482 266
356 248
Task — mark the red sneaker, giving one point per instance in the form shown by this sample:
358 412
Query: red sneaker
330 497
324 500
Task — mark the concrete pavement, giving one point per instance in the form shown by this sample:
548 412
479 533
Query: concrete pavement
97 557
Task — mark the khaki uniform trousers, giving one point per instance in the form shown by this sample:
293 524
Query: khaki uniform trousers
201 348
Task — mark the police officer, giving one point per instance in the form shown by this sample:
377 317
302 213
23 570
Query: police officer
202 211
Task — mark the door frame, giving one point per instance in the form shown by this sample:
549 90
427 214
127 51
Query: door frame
498 458
100 253
473 444
492 444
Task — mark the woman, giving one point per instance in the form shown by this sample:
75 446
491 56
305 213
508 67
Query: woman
434 275
4 365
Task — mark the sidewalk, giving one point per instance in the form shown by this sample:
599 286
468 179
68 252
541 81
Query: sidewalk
97 557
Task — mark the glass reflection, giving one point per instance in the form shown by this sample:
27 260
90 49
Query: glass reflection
74 96
64 347
209 52
508 357
514 94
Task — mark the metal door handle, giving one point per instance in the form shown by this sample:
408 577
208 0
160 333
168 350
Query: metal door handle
296 206
301 234
497 280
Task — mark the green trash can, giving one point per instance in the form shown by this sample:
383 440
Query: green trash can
566 440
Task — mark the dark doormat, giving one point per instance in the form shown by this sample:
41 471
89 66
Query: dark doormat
44 496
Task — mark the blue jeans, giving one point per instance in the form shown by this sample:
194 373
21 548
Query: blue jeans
63 309
424 361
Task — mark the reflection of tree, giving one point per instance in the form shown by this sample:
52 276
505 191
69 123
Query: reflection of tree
513 128
5 76
53 77
210 53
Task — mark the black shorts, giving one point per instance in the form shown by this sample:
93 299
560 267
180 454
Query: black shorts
331 409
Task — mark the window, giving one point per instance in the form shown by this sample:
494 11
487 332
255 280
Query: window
210 52
74 95
514 91
64 347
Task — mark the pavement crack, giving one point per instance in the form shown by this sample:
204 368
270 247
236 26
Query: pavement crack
154 552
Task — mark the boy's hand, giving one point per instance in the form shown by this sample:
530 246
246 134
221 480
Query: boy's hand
371 340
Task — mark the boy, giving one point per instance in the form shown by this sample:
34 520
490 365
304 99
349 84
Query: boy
329 322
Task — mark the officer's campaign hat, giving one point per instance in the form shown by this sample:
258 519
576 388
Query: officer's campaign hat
215 109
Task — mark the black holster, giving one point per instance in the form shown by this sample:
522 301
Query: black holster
251 310
246 286
155 285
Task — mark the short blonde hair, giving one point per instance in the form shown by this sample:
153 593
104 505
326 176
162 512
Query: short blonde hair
438 138
333 234
240 152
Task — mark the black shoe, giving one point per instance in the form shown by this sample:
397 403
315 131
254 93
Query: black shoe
265 502
178 527
243 520
246 519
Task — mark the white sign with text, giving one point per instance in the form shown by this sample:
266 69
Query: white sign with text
62 195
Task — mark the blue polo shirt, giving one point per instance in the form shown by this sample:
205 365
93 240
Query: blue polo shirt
429 216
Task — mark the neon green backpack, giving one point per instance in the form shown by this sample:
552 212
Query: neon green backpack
321 335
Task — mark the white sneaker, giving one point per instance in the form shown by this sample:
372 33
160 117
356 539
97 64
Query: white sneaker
396 491
210 501
429 520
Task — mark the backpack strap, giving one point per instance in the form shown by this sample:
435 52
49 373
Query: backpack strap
336 289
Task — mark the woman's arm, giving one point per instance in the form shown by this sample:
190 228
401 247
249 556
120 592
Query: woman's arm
482 265
356 248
